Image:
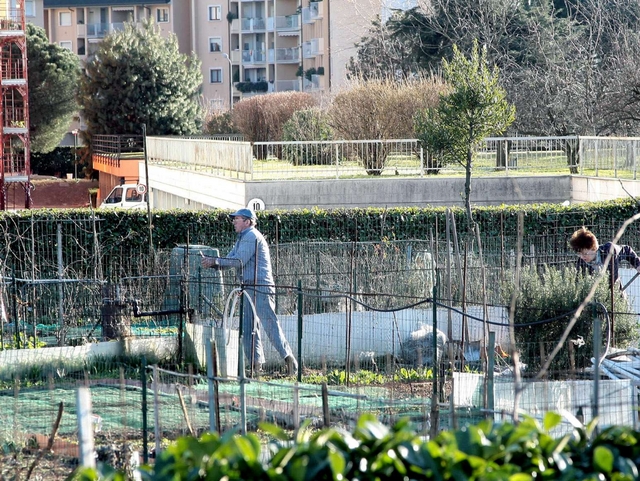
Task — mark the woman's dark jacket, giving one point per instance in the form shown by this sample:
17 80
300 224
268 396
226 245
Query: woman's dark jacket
620 253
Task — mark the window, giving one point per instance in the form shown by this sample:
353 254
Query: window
215 44
215 75
30 8
215 12
115 196
66 44
162 15
65 19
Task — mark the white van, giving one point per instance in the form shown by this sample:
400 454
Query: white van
126 196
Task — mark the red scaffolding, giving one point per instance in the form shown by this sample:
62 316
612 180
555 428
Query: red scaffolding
14 106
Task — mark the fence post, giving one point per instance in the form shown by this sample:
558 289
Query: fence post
212 372
326 413
241 375
113 326
157 432
597 339
299 331
145 426
85 428
490 366
434 396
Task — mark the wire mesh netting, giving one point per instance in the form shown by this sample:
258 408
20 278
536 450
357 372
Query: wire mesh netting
360 318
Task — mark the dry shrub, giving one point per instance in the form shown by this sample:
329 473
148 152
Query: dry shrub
219 123
261 118
382 108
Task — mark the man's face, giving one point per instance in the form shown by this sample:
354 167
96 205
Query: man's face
240 223
587 255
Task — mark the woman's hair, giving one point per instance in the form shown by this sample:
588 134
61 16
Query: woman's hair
583 239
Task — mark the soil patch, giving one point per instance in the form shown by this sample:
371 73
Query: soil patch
51 192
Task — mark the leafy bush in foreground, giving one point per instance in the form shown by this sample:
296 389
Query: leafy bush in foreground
373 451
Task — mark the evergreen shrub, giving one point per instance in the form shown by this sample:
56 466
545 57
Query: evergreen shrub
553 294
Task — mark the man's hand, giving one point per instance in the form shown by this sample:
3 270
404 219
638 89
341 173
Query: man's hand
209 261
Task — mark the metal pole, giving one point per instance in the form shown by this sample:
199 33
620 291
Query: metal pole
75 152
597 339
226 55
61 336
490 375
434 397
148 193
299 331
210 373
145 427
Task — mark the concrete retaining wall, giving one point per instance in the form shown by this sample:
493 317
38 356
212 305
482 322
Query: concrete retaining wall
185 187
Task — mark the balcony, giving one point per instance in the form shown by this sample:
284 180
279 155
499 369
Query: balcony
100 30
253 56
287 85
97 30
11 22
313 47
284 55
312 85
288 22
252 24
312 13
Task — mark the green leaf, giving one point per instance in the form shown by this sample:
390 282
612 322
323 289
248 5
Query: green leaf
603 460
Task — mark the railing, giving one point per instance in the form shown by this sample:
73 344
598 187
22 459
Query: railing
253 23
288 22
313 47
12 68
11 20
286 86
253 56
609 156
291 54
603 157
335 159
117 144
312 13
313 84
97 29
217 157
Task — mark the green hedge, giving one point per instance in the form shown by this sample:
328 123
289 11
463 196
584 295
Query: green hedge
127 231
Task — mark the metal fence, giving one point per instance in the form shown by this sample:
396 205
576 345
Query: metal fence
358 314
339 159
609 156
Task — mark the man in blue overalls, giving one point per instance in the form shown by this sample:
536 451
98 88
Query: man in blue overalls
251 251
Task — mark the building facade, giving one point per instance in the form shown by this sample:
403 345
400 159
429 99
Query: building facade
247 48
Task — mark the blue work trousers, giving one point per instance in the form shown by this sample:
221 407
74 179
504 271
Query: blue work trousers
263 299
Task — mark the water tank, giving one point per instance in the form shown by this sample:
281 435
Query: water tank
202 287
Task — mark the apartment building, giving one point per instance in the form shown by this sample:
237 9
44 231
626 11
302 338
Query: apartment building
247 47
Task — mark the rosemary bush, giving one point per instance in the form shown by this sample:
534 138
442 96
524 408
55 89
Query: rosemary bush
545 302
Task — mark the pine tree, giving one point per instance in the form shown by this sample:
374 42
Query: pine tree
474 108
139 77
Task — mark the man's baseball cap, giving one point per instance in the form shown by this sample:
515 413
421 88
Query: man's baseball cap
248 213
